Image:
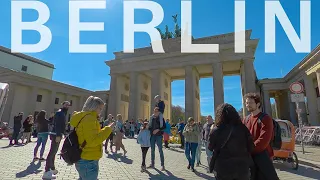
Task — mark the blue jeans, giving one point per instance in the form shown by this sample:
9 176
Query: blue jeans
88 169
132 133
42 140
191 148
208 152
156 140
198 153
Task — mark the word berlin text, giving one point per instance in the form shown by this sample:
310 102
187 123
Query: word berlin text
273 10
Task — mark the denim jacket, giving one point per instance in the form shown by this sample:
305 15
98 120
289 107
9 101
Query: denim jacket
144 138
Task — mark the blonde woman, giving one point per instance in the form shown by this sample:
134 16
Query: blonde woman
119 130
91 136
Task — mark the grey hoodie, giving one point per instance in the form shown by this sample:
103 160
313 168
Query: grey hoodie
191 133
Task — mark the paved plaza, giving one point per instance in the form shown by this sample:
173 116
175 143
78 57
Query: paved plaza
16 163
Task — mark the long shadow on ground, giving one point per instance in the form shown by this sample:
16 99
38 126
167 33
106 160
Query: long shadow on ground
33 168
120 158
302 170
161 175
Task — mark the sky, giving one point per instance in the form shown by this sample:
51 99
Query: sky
209 17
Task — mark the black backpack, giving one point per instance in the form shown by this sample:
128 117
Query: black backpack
276 141
71 152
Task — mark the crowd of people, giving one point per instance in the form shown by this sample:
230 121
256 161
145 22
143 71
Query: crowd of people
236 148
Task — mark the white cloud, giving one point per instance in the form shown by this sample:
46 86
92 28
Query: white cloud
226 88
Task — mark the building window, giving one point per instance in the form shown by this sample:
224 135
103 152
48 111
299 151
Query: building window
56 101
70 102
39 98
24 68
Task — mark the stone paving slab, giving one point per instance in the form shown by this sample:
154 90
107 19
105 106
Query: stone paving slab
16 163
312 153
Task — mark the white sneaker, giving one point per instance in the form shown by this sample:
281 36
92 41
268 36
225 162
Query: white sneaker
48 175
54 172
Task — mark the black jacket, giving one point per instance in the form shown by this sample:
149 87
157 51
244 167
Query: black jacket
17 122
235 158
156 125
59 123
161 106
27 126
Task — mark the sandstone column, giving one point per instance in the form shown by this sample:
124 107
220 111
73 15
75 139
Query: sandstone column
248 80
133 96
311 100
113 98
303 114
191 105
267 104
292 110
155 87
51 102
32 101
218 90
277 108
250 77
81 103
8 115
318 79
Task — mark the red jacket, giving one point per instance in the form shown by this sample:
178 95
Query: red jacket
261 133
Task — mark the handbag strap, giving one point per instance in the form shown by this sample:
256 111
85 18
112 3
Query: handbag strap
225 142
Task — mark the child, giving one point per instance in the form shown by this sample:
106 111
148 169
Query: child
160 104
144 141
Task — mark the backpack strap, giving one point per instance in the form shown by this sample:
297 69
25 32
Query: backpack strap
247 119
84 142
261 116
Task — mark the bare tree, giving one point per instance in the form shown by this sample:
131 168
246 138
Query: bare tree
177 112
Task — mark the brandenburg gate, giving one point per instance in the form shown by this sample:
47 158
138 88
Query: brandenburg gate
137 77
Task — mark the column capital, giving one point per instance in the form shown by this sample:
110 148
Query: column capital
248 59
134 73
217 62
113 75
189 67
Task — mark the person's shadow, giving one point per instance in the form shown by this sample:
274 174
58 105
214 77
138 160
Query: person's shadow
202 175
176 150
120 158
5 147
31 169
161 175
305 171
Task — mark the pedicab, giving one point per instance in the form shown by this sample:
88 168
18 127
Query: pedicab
286 153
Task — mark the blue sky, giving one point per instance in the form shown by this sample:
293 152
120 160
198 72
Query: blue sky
209 17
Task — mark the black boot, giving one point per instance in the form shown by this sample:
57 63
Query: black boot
166 144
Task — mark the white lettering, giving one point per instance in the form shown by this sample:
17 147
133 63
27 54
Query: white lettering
274 9
186 33
240 25
75 27
129 27
17 26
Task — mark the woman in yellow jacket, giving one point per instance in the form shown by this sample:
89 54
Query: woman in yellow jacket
89 130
